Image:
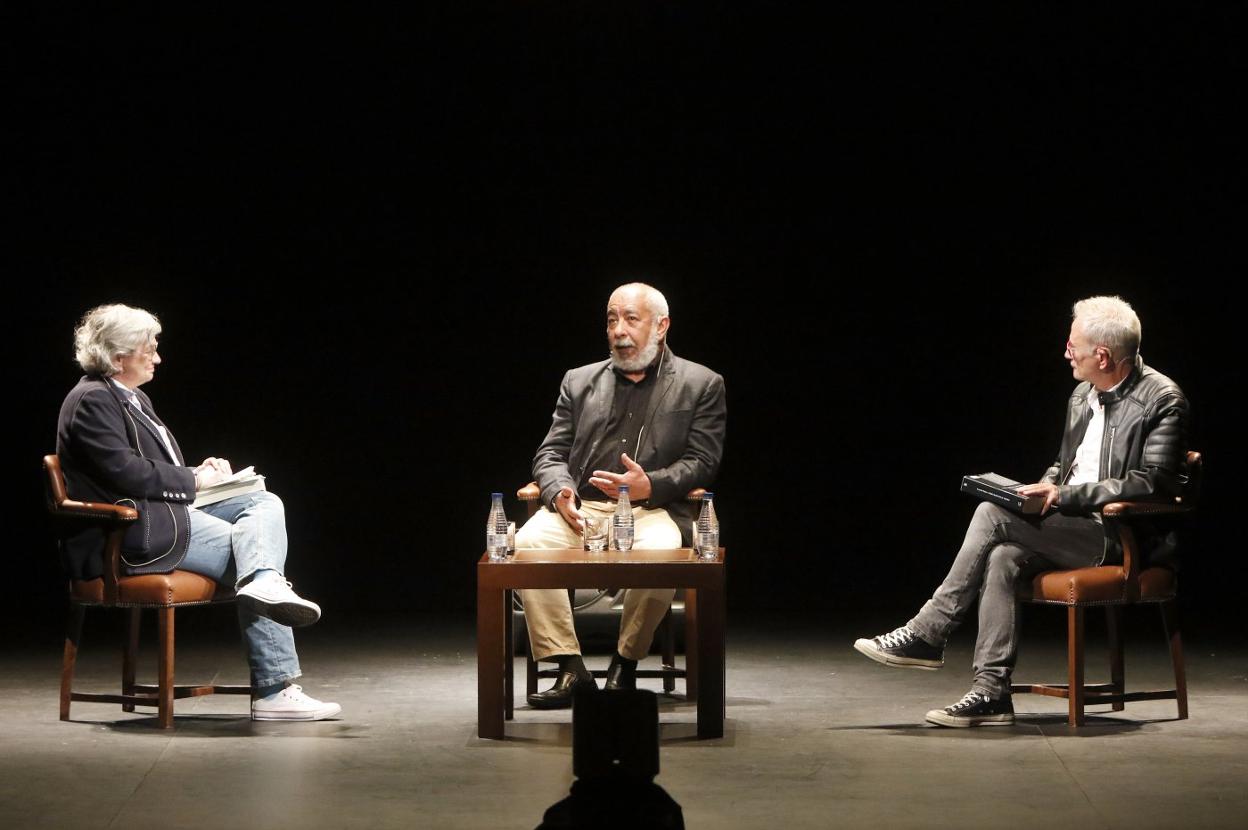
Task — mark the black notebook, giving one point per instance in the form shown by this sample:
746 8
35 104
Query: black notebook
1003 491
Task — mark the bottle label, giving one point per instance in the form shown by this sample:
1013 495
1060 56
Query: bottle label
708 540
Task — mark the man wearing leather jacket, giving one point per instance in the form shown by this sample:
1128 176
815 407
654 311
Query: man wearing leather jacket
1125 439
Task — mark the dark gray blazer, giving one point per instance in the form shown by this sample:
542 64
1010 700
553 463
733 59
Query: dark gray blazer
681 441
108 454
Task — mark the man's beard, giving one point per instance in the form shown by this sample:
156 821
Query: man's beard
644 357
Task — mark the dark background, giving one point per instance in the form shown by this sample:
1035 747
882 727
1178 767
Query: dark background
376 243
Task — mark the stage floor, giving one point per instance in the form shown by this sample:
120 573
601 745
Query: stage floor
817 736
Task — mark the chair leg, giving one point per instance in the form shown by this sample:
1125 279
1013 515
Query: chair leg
164 706
691 644
1074 655
668 638
73 636
130 655
1170 619
1113 623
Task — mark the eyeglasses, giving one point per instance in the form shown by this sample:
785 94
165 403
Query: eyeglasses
1074 352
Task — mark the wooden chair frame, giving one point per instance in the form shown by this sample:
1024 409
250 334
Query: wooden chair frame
161 593
1129 584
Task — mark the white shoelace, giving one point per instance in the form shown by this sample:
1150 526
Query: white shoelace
275 582
897 638
293 691
968 699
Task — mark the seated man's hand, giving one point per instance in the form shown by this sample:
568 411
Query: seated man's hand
565 503
1049 491
635 477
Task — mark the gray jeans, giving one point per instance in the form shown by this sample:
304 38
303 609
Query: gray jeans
1000 549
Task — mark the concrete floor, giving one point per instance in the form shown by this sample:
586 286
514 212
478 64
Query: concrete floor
817 737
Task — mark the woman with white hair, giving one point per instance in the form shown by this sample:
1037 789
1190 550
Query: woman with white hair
113 447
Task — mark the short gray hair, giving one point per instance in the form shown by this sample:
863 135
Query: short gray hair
107 331
1110 321
655 300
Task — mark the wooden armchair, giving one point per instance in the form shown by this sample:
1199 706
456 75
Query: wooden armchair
164 593
1114 587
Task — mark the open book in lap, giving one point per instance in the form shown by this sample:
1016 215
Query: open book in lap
246 480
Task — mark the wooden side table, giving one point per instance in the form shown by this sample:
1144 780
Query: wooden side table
705 618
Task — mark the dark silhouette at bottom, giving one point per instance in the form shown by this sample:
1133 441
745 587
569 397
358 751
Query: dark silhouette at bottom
615 757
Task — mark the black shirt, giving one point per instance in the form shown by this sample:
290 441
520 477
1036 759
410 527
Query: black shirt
628 413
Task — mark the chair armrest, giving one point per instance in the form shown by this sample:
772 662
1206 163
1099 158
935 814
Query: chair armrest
1132 564
1144 508
94 511
114 518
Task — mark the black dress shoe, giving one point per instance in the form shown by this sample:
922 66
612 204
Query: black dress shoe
559 696
621 674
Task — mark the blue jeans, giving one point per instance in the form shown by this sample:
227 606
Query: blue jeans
1000 549
230 541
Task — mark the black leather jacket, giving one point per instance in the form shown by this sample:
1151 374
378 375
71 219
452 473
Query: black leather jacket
1143 456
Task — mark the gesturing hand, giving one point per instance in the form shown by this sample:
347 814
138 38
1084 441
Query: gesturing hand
565 503
635 477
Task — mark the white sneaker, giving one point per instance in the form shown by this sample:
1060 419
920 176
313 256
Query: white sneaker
292 704
272 597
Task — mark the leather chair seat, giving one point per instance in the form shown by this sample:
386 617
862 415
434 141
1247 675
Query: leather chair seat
1097 586
175 588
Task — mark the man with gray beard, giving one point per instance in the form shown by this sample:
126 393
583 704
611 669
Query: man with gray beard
643 418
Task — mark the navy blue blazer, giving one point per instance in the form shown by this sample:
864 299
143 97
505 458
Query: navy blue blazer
110 453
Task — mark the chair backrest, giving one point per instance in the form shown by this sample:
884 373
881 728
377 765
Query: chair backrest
72 516
1132 561
62 506
1194 473
55 481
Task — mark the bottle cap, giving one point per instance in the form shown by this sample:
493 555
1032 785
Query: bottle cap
496 495
708 495
623 488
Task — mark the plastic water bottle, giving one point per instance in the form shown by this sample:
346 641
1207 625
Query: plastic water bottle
622 521
496 529
707 541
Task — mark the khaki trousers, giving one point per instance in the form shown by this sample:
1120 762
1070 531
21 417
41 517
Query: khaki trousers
547 611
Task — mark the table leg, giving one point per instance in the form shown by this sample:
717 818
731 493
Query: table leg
491 652
509 659
691 644
711 668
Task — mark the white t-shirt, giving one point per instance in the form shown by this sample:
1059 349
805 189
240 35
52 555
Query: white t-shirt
1087 465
